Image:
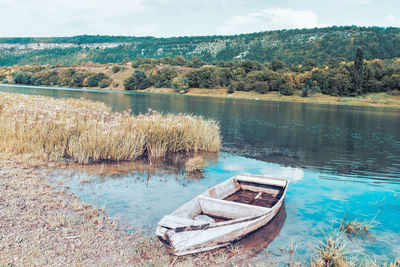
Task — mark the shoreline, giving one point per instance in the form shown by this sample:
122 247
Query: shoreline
44 224
380 100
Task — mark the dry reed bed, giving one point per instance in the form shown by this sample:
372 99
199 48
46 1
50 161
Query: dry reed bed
87 131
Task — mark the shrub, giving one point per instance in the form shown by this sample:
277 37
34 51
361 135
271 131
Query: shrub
115 69
104 83
94 79
286 89
180 85
203 78
164 78
240 86
231 89
261 87
21 77
138 81
304 91
315 89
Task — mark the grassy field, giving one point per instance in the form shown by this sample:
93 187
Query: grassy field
87 131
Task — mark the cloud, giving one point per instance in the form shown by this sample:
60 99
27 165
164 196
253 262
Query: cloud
47 17
270 19
292 174
393 20
358 2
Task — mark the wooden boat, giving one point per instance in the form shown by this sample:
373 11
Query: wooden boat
222 214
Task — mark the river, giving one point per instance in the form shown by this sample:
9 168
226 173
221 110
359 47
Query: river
341 161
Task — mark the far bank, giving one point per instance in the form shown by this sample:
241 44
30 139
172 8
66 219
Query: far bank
369 100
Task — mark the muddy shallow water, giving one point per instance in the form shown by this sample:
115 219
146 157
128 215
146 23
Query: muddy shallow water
341 161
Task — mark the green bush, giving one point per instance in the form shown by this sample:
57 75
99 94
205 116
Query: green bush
231 89
179 84
94 79
286 89
115 69
104 83
21 77
261 87
203 78
138 81
164 77
304 91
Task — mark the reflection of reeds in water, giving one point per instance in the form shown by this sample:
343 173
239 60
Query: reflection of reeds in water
87 131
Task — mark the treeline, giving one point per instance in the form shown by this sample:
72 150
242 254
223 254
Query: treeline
66 78
336 78
333 77
292 47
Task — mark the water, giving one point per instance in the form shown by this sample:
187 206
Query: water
341 161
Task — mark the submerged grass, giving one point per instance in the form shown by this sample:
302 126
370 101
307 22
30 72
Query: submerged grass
331 251
357 228
87 131
195 165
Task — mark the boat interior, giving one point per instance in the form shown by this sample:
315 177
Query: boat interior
240 197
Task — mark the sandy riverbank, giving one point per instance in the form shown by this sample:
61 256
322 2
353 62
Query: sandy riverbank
42 224
369 100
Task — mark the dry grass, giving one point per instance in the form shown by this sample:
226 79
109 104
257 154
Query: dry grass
357 228
195 165
331 251
395 263
43 225
87 131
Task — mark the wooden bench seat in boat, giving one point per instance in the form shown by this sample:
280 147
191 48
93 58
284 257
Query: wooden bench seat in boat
229 209
214 207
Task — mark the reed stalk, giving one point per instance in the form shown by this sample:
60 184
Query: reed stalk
86 131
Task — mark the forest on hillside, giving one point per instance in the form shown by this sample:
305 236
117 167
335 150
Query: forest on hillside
293 47
334 77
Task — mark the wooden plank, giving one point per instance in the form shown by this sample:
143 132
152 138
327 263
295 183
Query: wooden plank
229 209
174 222
258 180
270 191
222 190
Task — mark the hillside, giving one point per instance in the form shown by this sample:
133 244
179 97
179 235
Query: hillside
290 46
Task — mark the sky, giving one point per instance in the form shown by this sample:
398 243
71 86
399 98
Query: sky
165 18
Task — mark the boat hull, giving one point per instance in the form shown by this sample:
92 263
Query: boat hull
189 242
182 233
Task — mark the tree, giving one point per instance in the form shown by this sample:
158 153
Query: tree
21 77
138 81
94 79
203 78
164 77
358 71
196 62
277 65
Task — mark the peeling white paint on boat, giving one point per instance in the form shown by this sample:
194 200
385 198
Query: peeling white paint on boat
192 228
